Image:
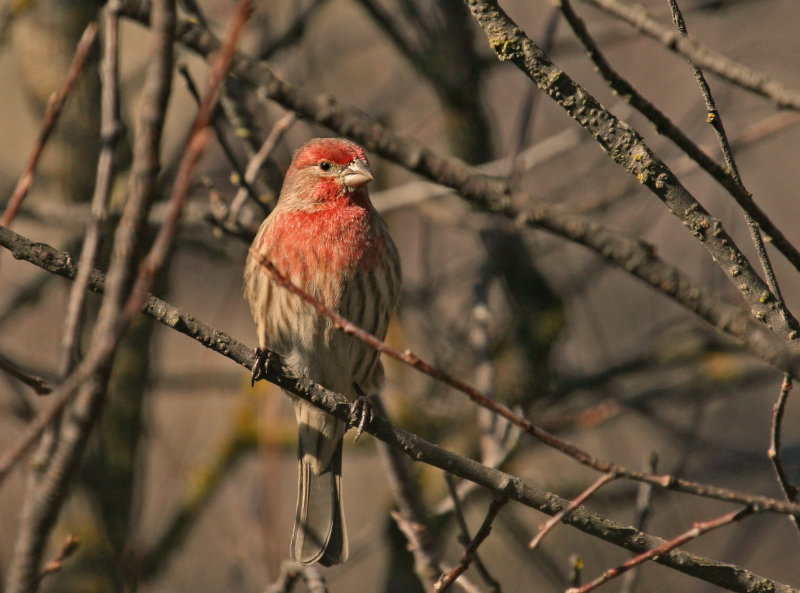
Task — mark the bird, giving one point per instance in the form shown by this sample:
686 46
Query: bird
326 238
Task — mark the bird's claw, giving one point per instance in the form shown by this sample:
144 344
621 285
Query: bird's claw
364 411
259 366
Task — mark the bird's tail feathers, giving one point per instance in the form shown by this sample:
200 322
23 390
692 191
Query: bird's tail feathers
319 532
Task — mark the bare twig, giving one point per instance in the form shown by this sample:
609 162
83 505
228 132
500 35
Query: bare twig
790 490
465 538
411 517
424 563
313 580
470 553
110 131
54 107
626 147
39 385
292 33
71 544
183 70
548 526
576 569
696 531
62 264
715 119
86 385
415 535
523 123
289 574
643 498
254 166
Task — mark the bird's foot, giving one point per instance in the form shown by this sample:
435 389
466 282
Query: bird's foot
363 410
260 366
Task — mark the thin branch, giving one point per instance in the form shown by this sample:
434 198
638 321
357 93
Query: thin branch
523 123
696 531
576 570
414 533
547 527
739 74
410 514
643 499
730 576
254 166
111 129
715 119
464 538
289 574
39 385
293 33
54 107
471 551
71 545
183 70
790 490
313 580
627 148
61 263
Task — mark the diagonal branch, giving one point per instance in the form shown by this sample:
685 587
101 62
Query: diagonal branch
715 119
471 551
696 531
54 107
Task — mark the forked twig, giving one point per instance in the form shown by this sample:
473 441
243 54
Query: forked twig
465 537
548 526
696 531
448 579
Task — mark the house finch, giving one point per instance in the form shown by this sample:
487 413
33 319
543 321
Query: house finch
324 236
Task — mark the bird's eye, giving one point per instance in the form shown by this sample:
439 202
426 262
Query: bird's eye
325 166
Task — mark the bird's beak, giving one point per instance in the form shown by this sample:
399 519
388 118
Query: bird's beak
357 174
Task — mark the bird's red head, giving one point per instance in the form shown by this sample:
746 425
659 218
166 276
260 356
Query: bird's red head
324 170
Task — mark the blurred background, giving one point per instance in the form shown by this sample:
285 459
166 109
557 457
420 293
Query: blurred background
189 481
